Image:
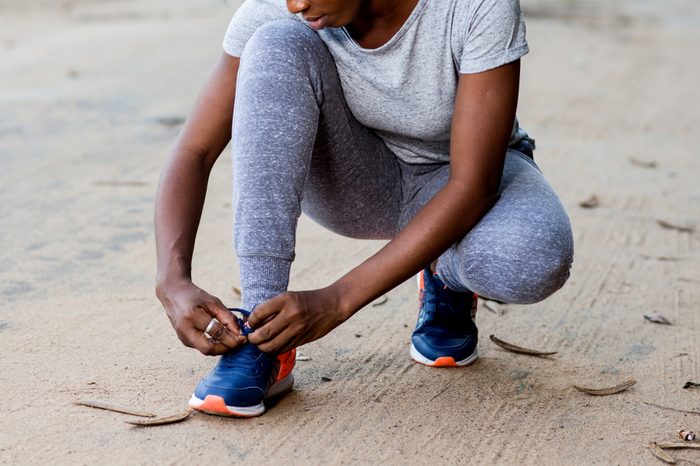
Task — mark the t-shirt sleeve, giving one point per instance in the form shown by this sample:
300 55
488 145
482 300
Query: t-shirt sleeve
248 18
490 33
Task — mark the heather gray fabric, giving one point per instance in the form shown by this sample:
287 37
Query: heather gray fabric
297 146
405 89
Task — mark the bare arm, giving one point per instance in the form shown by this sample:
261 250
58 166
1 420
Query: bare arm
482 122
178 209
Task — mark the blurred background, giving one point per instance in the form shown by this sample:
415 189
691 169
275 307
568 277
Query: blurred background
93 94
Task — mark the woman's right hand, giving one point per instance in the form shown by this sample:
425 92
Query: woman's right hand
191 309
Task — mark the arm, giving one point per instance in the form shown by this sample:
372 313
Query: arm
482 122
178 209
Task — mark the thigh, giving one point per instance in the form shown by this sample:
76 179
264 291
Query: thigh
522 249
353 185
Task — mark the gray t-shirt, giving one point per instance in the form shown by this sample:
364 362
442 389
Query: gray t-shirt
405 90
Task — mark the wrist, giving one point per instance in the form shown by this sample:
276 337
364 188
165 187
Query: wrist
165 284
346 303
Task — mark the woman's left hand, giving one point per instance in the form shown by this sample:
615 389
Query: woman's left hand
293 318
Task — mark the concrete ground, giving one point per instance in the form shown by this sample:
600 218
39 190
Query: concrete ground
92 94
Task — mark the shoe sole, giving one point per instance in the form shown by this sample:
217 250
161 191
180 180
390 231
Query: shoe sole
444 361
213 404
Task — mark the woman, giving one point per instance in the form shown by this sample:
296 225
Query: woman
391 119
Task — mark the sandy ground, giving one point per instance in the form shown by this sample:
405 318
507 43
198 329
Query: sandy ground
92 94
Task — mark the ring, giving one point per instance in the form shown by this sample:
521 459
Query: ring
209 328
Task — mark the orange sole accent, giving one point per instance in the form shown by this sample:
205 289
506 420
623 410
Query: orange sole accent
213 404
445 361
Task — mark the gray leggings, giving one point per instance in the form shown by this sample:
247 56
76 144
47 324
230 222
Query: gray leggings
297 147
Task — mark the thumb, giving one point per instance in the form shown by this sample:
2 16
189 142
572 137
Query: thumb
265 311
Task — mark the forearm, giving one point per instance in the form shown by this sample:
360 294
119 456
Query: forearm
483 118
443 221
178 209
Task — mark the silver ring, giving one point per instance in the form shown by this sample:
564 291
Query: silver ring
209 328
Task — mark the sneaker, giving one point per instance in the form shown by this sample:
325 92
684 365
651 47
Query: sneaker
445 335
242 379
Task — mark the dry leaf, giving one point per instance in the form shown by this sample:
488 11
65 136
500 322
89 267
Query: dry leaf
380 301
493 306
679 445
642 163
686 435
117 408
660 454
161 421
691 385
606 391
236 291
519 349
590 203
672 226
657 319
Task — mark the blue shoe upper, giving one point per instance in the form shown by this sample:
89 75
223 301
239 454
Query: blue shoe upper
242 377
445 327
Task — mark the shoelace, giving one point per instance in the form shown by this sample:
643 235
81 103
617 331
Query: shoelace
435 305
247 356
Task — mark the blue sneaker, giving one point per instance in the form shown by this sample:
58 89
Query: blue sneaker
242 379
445 335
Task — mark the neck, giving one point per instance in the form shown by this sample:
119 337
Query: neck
382 14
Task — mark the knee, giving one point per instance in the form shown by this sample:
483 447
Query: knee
523 272
283 36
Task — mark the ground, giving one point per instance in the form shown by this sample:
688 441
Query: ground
92 95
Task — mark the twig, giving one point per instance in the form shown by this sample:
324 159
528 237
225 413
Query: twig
670 408
519 349
106 405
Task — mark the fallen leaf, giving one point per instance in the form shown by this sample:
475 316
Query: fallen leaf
672 226
691 385
380 301
161 421
660 454
607 391
519 349
657 319
590 203
686 435
236 291
678 445
117 408
642 163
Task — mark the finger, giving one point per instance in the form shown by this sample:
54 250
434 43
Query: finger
201 320
206 346
266 310
221 313
269 329
281 343
220 333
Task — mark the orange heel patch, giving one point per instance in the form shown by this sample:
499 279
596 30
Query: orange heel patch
287 361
